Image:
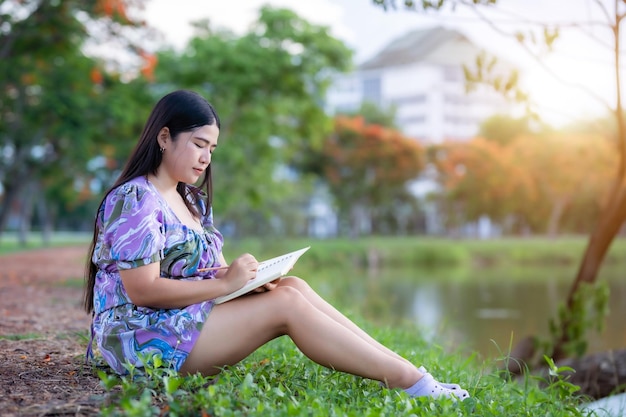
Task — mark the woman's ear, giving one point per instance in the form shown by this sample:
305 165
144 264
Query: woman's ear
163 137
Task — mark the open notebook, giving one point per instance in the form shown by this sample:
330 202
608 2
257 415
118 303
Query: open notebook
268 271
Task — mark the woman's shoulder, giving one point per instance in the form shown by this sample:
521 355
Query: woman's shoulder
137 184
137 189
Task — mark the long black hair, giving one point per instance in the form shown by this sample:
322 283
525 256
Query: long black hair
179 111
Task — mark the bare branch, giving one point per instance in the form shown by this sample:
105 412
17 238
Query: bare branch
7 45
604 11
537 59
517 19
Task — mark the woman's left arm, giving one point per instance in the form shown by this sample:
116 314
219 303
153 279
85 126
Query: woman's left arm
223 262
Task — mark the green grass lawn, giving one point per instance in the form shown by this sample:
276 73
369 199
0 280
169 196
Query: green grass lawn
405 251
9 242
428 252
277 380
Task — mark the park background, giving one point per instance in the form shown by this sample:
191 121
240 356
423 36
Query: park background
79 78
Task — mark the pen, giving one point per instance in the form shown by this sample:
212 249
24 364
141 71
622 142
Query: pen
215 268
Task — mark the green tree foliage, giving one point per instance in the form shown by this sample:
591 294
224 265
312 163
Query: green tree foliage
373 114
267 86
54 101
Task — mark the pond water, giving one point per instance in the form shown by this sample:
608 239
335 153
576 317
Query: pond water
484 311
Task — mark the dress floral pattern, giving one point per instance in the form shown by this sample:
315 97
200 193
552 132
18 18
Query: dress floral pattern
136 228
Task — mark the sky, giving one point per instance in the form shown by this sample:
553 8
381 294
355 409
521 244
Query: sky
366 28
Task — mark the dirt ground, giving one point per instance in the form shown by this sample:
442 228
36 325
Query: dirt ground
43 332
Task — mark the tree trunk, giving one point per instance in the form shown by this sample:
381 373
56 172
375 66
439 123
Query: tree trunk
558 208
599 243
26 213
601 239
45 216
613 216
10 194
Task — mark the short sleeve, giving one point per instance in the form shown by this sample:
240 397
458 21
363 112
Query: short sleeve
133 227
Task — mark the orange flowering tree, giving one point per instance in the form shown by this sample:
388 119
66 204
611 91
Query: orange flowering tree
540 183
571 175
482 178
368 168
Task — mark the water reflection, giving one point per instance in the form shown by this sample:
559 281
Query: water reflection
483 311
486 315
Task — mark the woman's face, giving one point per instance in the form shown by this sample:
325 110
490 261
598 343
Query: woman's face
186 158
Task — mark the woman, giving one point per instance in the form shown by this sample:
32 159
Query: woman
153 233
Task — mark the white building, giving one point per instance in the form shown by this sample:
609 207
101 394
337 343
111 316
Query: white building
421 74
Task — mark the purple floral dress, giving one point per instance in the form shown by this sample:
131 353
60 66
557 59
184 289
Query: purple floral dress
137 227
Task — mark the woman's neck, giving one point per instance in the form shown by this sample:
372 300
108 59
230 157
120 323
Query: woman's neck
162 183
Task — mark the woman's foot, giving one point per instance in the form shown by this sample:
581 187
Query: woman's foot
427 386
443 384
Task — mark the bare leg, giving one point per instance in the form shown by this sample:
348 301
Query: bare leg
333 313
236 328
327 308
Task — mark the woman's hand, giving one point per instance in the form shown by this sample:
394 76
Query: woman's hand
240 271
267 287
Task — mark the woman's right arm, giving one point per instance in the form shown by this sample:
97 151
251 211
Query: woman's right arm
146 288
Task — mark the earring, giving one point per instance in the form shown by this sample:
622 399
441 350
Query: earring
162 150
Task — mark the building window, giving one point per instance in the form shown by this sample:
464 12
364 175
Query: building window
371 90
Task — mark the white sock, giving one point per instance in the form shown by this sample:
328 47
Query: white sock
443 384
427 386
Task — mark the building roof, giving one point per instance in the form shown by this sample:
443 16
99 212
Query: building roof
434 45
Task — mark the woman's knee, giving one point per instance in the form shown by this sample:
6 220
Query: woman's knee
287 297
295 283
